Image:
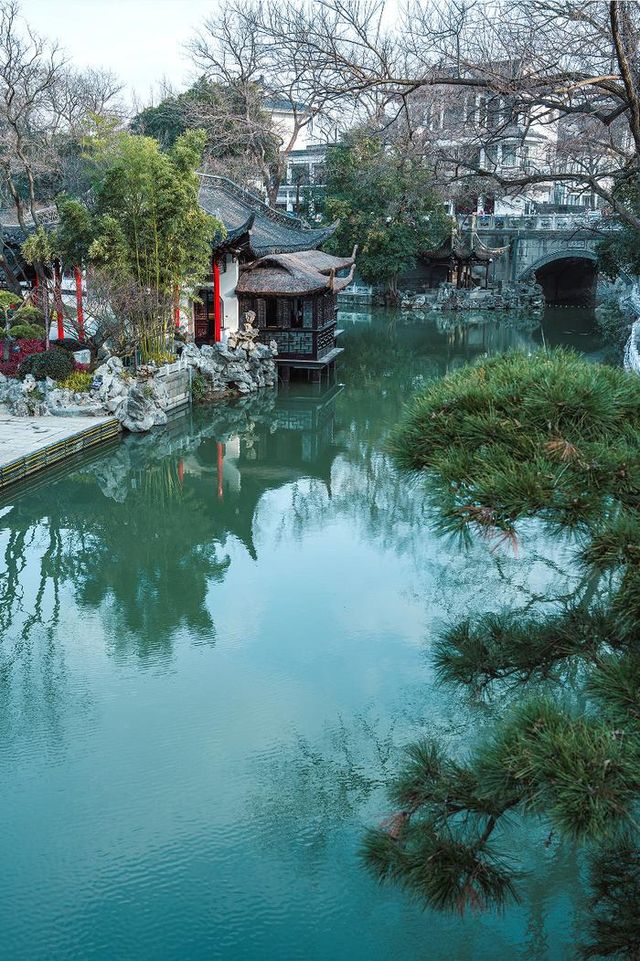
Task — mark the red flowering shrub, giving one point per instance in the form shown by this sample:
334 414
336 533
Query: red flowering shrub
26 347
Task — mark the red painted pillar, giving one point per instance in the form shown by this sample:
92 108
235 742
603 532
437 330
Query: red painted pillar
77 275
57 274
217 319
220 460
176 307
181 471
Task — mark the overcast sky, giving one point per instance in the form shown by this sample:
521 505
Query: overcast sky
140 40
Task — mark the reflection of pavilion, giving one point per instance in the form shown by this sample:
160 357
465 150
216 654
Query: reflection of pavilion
479 333
295 442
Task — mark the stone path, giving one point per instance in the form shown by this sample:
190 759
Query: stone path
29 444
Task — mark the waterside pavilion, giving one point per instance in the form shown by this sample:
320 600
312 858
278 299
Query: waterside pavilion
269 263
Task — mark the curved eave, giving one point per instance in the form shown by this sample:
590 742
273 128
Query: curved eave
284 285
237 237
339 283
309 239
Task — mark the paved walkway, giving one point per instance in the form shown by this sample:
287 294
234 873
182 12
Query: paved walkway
29 444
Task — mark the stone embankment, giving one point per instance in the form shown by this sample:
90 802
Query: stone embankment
510 297
142 399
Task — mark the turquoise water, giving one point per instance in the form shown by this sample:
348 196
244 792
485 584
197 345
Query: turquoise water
215 641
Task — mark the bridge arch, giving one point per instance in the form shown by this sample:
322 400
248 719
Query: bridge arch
567 276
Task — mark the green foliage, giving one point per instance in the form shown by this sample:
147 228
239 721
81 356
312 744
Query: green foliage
509 647
19 318
26 332
79 381
385 203
8 300
39 247
159 357
54 363
550 436
466 877
8 304
149 221
76 231
555 438
234 124
614 923
198 387
27 314
618 251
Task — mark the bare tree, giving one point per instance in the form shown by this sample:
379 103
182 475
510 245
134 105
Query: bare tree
121 314
279 86
44 105
462 76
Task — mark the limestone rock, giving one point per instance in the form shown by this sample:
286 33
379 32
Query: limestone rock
138 411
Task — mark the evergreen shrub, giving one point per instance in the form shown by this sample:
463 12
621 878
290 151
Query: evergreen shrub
54 363
556 438
79 381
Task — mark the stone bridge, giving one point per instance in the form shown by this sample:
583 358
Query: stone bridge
557 250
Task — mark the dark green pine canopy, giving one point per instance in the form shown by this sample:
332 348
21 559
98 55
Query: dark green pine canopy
555 438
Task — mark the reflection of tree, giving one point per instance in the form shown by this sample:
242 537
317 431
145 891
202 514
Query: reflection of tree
59 543
150 555
309 789
155 554
614 924
140 532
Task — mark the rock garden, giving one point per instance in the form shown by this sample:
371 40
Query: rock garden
67 381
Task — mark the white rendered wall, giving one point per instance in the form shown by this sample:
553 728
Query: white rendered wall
228 283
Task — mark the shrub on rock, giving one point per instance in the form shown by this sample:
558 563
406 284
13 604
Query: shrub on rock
55 363
79 381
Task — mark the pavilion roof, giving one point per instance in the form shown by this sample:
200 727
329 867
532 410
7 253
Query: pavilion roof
13 233
261 229
296 274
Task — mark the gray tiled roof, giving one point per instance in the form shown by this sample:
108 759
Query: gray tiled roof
271 231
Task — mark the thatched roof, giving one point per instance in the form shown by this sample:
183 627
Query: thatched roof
294 275
266 231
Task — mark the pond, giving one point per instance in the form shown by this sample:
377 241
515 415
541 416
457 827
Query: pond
215 642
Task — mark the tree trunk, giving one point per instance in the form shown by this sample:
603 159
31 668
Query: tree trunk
391 296
77 276
43 297
13 284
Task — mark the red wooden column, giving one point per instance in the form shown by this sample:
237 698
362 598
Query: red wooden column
57 275
176 307
77 276
219 467
217 319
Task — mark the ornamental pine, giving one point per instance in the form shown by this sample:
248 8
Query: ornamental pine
552 437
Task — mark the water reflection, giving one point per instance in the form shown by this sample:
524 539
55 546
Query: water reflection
213 641
149 521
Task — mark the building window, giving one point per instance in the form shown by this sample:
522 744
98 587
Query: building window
308 312
271 312
296 316
508 155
